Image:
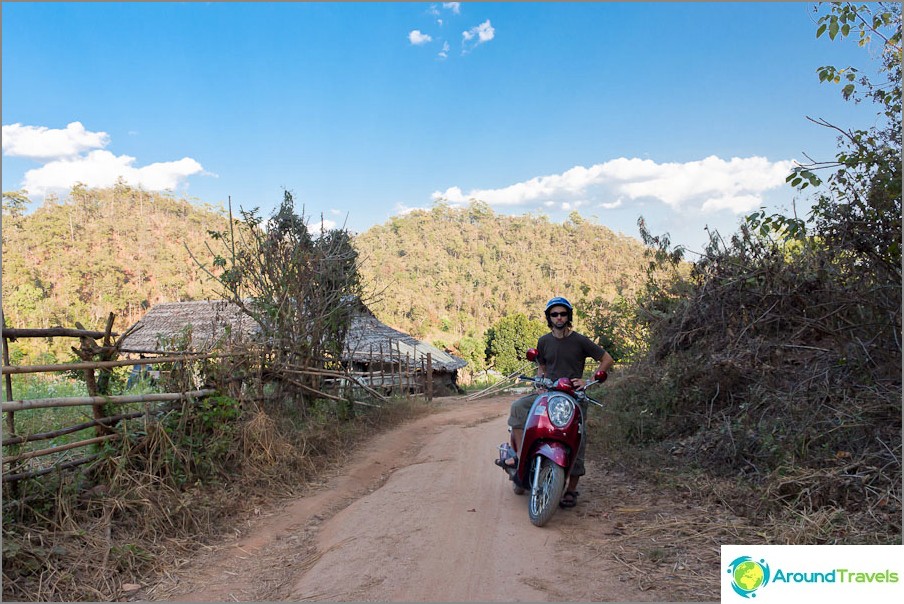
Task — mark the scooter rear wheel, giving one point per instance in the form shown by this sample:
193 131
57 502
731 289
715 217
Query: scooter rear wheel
546 494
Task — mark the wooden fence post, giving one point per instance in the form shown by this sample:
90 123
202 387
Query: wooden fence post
9 387
10 422
86 352
429 377
408 387
401 375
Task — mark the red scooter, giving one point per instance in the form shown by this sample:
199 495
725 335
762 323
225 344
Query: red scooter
552 438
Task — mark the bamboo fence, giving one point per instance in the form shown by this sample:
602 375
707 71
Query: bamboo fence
387 372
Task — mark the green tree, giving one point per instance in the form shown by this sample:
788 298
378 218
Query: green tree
14 205
474 351
857 212
300 289
616 326
508 340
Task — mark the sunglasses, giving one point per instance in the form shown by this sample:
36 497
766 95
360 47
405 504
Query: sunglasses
558 314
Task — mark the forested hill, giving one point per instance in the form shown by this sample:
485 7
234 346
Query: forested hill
439 274
450 272
98 251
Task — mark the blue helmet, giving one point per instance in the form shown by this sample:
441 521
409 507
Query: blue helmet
558 301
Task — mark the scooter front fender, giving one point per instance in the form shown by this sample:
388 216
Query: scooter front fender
557 452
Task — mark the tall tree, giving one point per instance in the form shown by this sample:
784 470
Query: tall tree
509 339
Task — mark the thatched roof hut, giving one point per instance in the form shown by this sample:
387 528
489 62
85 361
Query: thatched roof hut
369 341
207 323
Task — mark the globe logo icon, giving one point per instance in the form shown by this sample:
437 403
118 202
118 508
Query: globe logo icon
748 575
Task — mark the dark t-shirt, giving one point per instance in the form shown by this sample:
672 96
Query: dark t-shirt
566 357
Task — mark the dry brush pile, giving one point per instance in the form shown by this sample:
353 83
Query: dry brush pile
778 373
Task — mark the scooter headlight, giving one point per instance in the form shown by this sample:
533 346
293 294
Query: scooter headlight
560 410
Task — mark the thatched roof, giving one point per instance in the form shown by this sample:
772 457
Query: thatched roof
211 322
370 340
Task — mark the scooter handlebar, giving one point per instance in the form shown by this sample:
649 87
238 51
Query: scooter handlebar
548 383
538 381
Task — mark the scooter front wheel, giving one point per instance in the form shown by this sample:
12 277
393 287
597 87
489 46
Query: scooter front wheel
547 492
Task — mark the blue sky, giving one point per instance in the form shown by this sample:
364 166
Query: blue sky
689 114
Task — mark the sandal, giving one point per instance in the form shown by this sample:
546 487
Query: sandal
502 464
569 499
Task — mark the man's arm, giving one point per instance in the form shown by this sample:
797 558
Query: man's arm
606 362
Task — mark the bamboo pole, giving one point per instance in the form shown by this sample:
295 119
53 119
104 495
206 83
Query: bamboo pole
66 447
370 366
429 376
101 364
500 385
326 394
10 422
41 472
112 419
94 400
337 374
382 367
401 377
408 387
52 332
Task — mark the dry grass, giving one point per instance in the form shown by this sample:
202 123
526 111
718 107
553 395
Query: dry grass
93 535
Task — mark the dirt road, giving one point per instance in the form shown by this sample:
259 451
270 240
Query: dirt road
421 514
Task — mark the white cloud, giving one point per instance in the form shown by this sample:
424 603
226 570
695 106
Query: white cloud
455 7
65 161
417 38
401 209
324 223
444 53
102 169
737 204
708 186
39 142
477 35
711 179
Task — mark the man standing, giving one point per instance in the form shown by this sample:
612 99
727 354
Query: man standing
562 353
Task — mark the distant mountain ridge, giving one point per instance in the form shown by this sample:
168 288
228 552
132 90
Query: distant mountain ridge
450 272
438 274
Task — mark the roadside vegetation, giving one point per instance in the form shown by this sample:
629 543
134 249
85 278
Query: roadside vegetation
770 376
186 471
